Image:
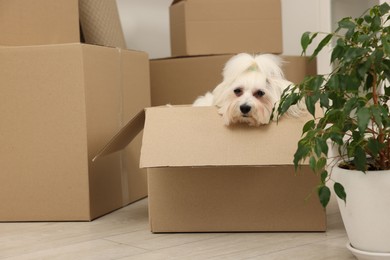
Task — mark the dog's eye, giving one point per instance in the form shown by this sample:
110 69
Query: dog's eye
259 94
238 92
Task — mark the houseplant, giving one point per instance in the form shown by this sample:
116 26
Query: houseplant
355 122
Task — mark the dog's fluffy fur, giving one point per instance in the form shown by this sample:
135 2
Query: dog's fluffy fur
251 87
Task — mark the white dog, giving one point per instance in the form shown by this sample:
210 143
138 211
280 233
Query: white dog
251 87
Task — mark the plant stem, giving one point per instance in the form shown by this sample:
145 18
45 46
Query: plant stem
388 154
374 86
382 154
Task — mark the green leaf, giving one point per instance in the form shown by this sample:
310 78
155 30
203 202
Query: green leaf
309 125
312 163
317 82
387 91
359 21
340 192
369 81
346 23
360 159
341 42
350 105
384 8
337 138
317 148
357 137
322 44
373 146
324 175
321 163
287 102
362 38
367 18
363 68
376 112
310 104
376 23
305 41
386 44
320 147
352 83
324 146
353 53
378 55
363 117
324 100
337 53
301 153
350 33
324 195
334 82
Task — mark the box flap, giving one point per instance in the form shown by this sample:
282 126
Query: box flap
197 137
124 136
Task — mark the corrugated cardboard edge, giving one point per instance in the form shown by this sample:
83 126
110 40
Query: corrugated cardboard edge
124 136
100 23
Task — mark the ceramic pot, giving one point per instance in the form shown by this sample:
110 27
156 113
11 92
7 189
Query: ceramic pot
366 214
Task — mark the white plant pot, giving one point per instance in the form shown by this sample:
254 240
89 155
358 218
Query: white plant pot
366 214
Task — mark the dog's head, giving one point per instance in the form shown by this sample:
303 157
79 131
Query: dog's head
251 87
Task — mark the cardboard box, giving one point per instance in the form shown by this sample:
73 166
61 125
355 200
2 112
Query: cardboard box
58 105
202 27
40 22
100 23
180 81
206 177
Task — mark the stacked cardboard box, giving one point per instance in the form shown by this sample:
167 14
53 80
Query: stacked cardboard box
43 22
60 101
201 27
202 175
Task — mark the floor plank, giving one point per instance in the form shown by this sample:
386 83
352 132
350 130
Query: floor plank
124 234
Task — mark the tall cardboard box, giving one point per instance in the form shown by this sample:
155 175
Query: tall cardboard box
40 22
58 105
206 177
181 80
202 27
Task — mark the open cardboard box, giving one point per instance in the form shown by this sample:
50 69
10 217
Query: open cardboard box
58 105
40 22
179 81
206 177
202 27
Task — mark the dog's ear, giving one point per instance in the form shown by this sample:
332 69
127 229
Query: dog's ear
270 65
218 93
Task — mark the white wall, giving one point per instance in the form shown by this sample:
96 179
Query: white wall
354 8
146 23
300 16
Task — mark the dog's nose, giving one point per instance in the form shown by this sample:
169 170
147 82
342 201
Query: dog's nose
245 108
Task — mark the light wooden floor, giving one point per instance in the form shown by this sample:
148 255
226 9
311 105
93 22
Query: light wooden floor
124 234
